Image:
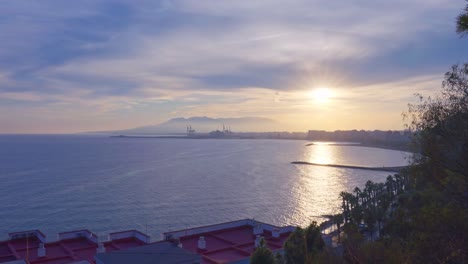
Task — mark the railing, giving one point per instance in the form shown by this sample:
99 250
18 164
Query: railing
271 228
227 225
165 236
205 229
129 234
28 234
78 234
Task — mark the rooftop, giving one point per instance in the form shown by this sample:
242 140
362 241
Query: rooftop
72 247
221 243
159 252
232 241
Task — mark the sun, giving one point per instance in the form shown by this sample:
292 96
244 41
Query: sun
321 94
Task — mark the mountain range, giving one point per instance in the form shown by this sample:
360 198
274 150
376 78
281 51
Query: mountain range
206 124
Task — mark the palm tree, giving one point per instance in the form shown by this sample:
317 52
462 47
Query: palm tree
369 219
357 191
357 214
346 205
338 220
369 192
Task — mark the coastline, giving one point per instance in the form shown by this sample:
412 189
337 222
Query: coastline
203 137
398 147
369 145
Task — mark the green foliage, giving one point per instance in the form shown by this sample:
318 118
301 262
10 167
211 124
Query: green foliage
279 259
428 223
352 242
440 125
338 220
371 205
382 251
294 249
313 239
262 255
303 245
431 217
462 22
328 256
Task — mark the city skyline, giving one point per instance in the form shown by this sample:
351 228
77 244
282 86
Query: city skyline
112 65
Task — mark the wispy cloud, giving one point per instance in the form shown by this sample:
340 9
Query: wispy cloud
182 57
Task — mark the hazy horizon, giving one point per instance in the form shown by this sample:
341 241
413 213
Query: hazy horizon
204 129
310 65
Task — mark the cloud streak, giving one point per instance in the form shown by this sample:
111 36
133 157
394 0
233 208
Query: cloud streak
180 57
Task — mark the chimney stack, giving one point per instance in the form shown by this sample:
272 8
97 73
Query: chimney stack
101 248
41 251
202 243
258 238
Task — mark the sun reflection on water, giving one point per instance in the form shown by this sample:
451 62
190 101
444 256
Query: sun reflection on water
315 189
321 153
316 193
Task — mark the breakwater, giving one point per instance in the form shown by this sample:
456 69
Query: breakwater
389 169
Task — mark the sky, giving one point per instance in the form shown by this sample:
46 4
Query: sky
91 65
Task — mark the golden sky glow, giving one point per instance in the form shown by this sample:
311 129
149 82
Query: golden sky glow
321 95
109 65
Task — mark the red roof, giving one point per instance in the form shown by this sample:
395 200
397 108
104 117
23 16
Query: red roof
226 242
62 251
231 244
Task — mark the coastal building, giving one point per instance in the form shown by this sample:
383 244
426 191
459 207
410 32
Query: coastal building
158 252
362 136
71 247
231 242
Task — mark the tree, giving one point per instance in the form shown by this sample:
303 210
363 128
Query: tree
345 205
279 258
338 221
433 213
294 247
429 223
313 240
462 22
303 245
262 255
440 126
370 219
352 242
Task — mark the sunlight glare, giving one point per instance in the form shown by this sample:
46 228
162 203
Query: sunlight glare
321 94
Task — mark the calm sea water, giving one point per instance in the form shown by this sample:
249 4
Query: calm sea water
63 183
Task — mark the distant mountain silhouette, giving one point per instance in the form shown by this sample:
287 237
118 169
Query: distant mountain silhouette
206 124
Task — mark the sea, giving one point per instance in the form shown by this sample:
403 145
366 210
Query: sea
58 183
